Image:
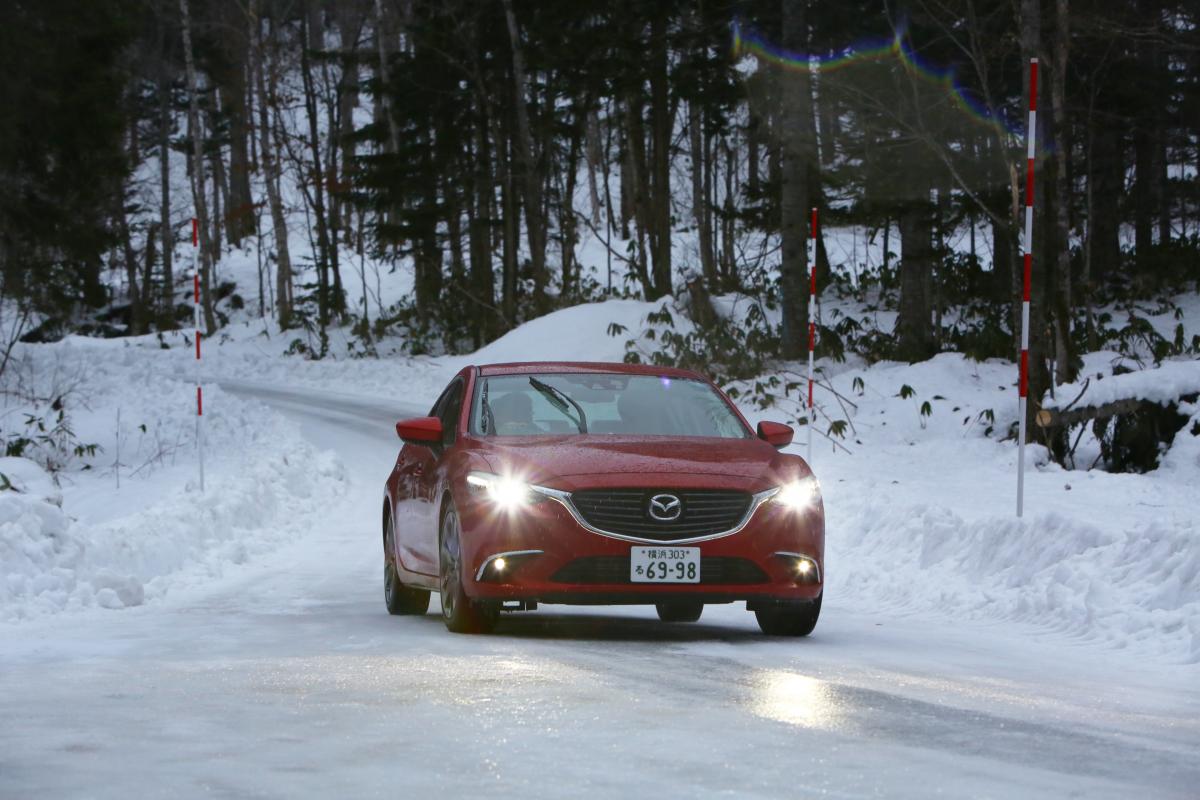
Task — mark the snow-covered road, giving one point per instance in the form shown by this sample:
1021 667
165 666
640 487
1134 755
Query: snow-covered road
289 679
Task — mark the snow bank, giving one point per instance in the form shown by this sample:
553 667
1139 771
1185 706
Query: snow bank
1162 384
920 515
579 333
1121 586
95 544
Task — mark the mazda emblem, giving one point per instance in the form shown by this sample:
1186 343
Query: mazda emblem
665 507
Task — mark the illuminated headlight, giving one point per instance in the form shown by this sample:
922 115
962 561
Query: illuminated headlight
506 491
799 494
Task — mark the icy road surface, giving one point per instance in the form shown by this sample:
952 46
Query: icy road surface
292 680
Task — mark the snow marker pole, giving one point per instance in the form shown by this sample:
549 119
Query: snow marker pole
812 322
1027 241
196 326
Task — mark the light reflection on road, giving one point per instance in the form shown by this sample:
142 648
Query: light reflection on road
795 699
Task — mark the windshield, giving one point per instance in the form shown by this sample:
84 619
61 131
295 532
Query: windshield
601 403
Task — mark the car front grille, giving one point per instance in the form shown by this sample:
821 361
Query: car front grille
626 512
714 570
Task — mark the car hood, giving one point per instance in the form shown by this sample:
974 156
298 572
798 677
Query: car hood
577 462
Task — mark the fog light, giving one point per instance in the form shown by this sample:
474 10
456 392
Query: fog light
497 567
804 567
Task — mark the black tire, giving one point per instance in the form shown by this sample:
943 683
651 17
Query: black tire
679 610
460 613
797 620
400 599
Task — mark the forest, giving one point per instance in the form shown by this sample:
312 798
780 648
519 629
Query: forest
477 143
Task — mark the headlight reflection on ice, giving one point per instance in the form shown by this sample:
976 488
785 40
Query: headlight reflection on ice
794 699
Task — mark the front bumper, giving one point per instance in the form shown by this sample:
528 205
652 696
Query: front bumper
551 558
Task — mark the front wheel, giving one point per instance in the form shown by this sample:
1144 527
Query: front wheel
460 613
679 610
798 620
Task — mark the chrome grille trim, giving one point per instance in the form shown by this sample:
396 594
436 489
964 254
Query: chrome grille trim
564 498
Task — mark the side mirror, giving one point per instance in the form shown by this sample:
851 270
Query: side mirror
775 434
421 430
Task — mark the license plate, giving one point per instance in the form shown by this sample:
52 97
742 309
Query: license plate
664 564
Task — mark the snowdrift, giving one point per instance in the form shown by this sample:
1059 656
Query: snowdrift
1134 586
119 547
920 515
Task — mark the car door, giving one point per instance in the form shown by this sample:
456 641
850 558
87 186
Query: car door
428 477
417 481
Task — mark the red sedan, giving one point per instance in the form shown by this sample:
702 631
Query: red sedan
601 484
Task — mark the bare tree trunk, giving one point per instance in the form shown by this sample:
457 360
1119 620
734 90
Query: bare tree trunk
1089 214
566 218
509 210
709 189
729 221
1105 231
700 215
198 189
934 277
137 311
283 258
316 176
149 259
478 233
754 132
454 234
350 19
167 316
535 219
914 338
220 198
332 100
593 160
660 133
638 186
796 151
1145 179
384 77
239 209
1062 197
628 183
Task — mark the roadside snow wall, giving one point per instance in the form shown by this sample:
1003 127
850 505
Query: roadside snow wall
91 544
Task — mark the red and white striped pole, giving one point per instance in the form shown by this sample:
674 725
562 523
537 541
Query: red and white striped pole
812 323
196 326
1027 241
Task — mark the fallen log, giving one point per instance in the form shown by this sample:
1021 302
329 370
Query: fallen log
1055 418
1133 433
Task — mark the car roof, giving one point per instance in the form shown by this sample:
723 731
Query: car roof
535 367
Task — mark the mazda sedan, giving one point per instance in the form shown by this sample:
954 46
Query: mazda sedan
599 484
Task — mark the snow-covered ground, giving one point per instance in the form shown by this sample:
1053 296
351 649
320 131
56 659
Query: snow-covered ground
286 678
921 489
233 642
128 524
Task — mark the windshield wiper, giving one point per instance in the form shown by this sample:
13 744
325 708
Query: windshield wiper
559 399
